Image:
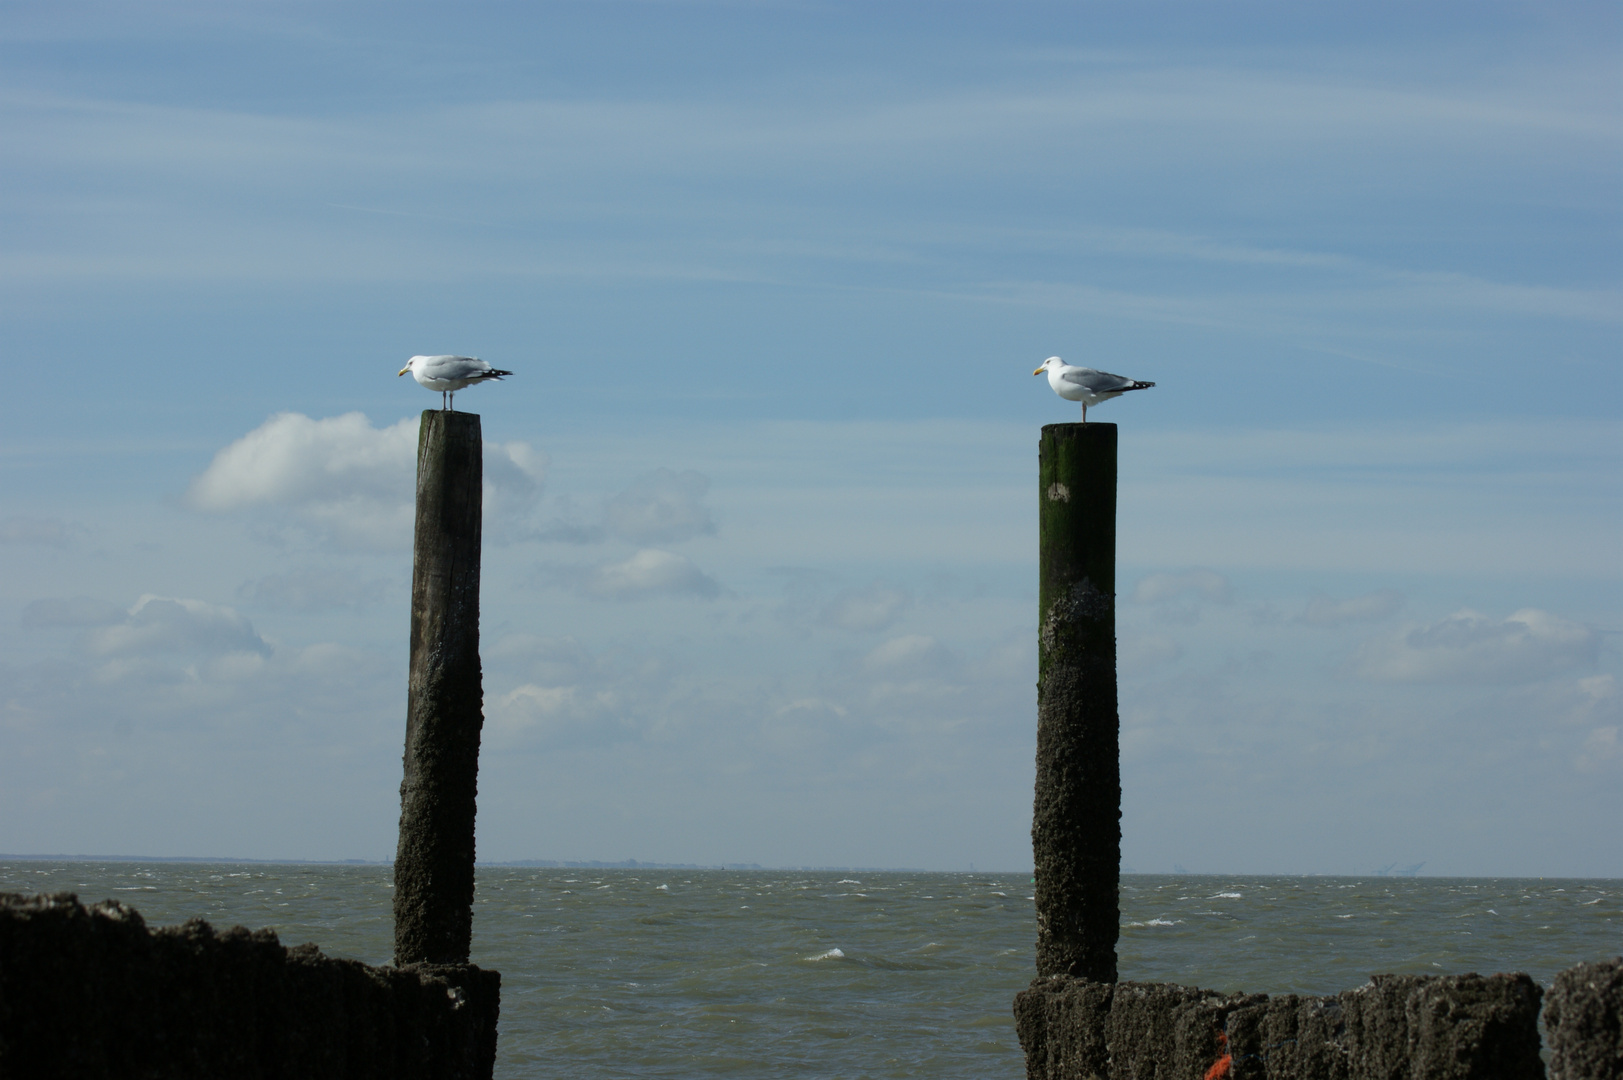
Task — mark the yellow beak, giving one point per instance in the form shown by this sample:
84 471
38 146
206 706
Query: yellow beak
402 371
1039 371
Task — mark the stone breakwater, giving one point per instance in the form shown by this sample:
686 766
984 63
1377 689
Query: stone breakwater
91 992
1397 1027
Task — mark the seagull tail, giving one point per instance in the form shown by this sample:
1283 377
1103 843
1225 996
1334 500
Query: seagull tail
1138 386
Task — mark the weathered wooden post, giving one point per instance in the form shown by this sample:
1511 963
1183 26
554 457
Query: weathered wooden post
433 870
1076 818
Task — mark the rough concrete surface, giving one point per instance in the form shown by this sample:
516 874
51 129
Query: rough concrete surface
1397 1027
91 993
1583 1022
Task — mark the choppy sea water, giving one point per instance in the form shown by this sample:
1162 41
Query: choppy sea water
695 973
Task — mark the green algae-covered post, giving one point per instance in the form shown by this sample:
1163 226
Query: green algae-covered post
1076 818
433 870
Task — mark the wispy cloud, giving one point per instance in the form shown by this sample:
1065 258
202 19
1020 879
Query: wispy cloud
1469 647
1371 607
1205 584
645 574
873 607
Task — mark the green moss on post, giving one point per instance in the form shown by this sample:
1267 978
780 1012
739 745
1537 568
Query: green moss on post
433 872
1076 819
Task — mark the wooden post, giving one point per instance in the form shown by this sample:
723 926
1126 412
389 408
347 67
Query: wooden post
1076 819
433 870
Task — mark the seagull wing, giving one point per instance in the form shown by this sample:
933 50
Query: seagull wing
450 368
1096 382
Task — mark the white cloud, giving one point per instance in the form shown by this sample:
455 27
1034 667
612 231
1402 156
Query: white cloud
661 507
340 477
1468 647
347 482
650 572
291 459
1206 584
1323 611
871 608
161 624
530 713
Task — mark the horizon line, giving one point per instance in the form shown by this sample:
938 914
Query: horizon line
638 864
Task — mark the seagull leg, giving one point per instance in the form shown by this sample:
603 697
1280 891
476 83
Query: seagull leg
1084 412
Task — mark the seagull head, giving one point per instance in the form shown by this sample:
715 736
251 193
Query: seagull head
1050 362
405 369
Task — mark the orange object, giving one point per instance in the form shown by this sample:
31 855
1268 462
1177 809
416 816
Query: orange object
1220 1067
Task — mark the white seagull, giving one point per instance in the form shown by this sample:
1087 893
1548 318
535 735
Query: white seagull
448 374
1085 384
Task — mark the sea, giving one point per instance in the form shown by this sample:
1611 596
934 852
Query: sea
683 973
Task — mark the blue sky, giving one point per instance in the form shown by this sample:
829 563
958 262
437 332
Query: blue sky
760 567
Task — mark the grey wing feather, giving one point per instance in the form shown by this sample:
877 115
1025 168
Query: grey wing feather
456 367
1098 382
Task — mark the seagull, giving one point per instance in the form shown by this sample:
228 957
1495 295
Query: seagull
448 374
1084 384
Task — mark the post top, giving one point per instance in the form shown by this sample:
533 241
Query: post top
444 420
1088 434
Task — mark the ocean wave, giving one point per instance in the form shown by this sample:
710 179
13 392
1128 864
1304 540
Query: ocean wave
832 954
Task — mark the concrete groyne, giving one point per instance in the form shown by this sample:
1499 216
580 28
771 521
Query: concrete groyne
93 993
1396 1027
1076 1022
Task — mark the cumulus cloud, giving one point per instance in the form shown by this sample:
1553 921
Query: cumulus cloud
313 588
160 624
1469 647
650 572
293 459
872 608
345 481
43 532
1207 585
1323 611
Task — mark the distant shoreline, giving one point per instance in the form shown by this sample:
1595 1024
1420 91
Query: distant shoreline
637 864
